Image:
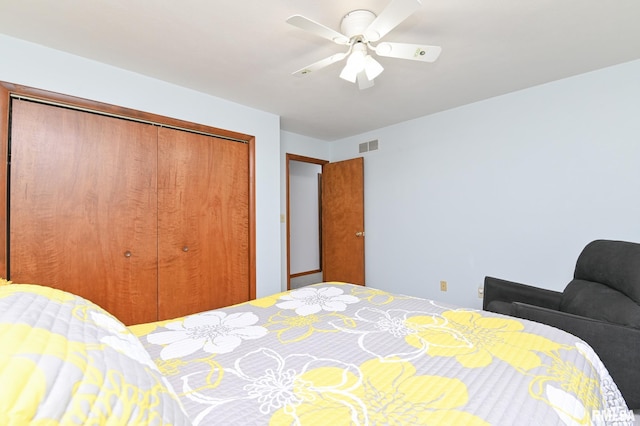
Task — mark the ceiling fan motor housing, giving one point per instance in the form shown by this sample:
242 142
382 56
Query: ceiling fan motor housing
356 22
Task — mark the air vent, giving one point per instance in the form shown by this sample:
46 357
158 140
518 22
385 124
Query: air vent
368 146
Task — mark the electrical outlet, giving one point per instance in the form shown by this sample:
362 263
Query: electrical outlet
480 292
443 286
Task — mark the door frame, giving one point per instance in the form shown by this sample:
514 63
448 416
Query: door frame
9 90
303 159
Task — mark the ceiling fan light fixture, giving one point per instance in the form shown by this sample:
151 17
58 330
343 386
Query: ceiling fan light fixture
363 81
349 73
372 67
359 61
357 56
355 63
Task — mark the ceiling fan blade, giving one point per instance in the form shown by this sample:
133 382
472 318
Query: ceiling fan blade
415 52
396 12
320 64
317 29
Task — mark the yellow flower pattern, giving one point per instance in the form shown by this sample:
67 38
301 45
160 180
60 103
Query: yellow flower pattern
561 379
290 327
394 395
374 296
474 340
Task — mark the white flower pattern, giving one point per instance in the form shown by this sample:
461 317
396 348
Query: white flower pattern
213 332
376 327
568 407
277 383
122 340
310 300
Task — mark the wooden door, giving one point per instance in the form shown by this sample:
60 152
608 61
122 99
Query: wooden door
203 223
343 221
83 207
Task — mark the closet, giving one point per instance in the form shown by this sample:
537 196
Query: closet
148 221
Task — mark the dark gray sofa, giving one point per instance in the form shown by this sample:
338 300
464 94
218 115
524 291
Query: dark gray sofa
601 305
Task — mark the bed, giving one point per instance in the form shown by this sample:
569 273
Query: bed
330 353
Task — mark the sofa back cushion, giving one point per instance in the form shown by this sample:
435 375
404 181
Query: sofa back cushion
598 301
615 264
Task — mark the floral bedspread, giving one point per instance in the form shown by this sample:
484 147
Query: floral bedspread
341 354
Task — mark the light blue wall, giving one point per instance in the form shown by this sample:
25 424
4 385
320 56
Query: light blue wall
513 186
36 66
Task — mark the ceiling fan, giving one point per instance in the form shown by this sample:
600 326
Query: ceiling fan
359 30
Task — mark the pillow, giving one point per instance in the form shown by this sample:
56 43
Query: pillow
65 360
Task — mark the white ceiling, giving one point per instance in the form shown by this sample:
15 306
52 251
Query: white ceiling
244 51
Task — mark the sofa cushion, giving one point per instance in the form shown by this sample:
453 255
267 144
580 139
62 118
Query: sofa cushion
499 307
613 263
598 301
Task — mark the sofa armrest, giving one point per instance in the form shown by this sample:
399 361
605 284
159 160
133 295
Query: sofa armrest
496 289
617 346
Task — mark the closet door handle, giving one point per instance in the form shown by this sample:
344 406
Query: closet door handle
185 249
360 234
127 254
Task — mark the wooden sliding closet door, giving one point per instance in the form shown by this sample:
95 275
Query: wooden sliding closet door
203 223
83 207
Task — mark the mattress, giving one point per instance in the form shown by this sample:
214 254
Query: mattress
342 354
